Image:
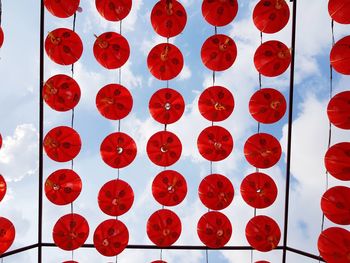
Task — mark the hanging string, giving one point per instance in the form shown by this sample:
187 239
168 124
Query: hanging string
0 25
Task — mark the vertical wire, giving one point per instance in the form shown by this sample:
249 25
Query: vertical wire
0 17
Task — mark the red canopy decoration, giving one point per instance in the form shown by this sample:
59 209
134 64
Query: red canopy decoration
63 186
214 229
62 8
111 237
215 143
219 12
1 37
114 101
7 234
61 92
165 61
267 105
113 10
70 231
258 190
118 150
168 18
164 148
166 106
272 58
339 10
62 144
216 103
338 110
218 52
337 161
63 46
263 233
216 191
3 187
340 56
163 228
115 197
111 50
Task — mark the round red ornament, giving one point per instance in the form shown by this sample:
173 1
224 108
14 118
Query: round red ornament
337 161
338 110
0 140
159 261
339 10
70 261
219 12
340 56
7 234
262 261
62 8
3 187
113 10
1 37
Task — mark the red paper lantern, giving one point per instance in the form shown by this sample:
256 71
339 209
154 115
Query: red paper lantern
111 237
166 106
214 229
337 161
7 234
216 191
338 110
164 148
113 10
165 61
216 103
63 186
272 58
258 190
70 231
215 143
263 233
1 37
62 144
0 141
114 101
267 105
339 10
270 16
163 228
63 46
3 187
70 261
169 188
340 56
115 198
159 261
219 12
62 8
262 261
168 18
118 150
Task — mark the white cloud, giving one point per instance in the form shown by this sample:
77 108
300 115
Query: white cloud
185 73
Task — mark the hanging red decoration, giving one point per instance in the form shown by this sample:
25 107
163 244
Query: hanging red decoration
7 234
62 144
70 261
168 18
166 106
262 261
0 140
3 187
267 105
216 191
169 188
165 61
214 229
339 10
216 103
164 148
113 10
62 8
340 56
63 186
337 161
219 12
70 231
115 198
114 101
118 150
63 46
111 237
263 233
163 228
1 37
159 261
215 143
338 110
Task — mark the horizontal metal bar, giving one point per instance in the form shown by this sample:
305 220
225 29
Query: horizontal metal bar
18 250
306 254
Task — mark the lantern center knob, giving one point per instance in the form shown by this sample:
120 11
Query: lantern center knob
119 150
167 106
105 242
220 233
164 148
56 187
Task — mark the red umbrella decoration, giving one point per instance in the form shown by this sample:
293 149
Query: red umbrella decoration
258 190
219 12
169 188
111 237
335 204
340 56
3 187
337 161
61 92
163 228
338 110
216 103
118 150
339 10
1 37
63 186
218 52
164 148
270 16
272 58
70 231
111 50
215 143
7 234
62 8
166 106
165 61
267 105
62 144
214 229
63 46
262 150
216 191
115 197
168 18
263 233
113 10
114 101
